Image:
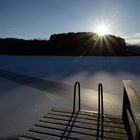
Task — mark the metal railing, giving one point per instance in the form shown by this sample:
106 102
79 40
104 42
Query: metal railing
100 124
77 85
100 100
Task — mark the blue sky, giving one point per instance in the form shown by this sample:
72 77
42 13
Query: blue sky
40 18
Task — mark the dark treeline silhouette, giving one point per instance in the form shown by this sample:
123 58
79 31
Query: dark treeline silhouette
23 47
134 49
82 43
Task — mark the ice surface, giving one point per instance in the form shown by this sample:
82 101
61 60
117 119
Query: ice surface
31 85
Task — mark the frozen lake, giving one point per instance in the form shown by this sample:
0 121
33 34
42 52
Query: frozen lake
32 85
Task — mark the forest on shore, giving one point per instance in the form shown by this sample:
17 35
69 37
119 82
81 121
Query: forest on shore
71 44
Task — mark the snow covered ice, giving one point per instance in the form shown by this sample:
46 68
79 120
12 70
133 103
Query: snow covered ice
31 85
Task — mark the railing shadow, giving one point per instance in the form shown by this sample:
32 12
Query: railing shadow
100 127
71 122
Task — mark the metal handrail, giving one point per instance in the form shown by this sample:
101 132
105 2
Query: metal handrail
77 84
100 123
100 100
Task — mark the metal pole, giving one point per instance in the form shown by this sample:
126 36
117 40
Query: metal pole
100 99
77 84
100 111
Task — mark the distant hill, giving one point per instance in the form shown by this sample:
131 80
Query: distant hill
135 49
81 43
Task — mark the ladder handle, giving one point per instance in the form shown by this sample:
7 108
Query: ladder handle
77 84
100 99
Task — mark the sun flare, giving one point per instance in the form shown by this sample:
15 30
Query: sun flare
102 30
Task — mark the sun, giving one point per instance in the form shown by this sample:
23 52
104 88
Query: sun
102 30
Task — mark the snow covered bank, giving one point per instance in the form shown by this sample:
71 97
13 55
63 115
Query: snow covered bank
30 86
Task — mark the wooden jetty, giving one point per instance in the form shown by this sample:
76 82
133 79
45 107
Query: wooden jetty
66 124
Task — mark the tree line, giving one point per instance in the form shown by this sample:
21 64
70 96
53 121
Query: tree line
81 43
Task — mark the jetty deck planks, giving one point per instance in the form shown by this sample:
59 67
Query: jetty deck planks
61 124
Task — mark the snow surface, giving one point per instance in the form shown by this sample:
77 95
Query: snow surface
31 85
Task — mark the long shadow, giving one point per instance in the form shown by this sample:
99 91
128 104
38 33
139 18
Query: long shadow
67 126
67 135
71 120
44 85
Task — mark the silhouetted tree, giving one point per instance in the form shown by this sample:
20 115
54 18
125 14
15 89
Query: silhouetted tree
81 43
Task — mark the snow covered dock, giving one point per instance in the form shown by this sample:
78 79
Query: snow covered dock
89 125
32 85
63 124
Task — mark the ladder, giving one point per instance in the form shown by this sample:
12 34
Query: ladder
100 99
77 124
